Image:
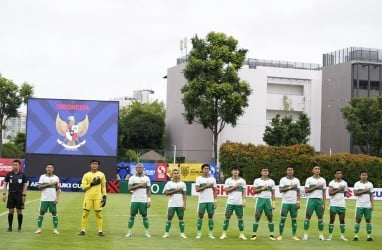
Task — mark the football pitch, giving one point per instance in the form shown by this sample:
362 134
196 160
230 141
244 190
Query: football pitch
116 214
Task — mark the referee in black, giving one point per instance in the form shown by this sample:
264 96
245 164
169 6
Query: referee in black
17 192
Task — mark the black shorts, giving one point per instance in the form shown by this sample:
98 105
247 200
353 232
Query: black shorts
15 201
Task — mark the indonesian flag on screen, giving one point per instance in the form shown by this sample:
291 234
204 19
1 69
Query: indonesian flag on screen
349 193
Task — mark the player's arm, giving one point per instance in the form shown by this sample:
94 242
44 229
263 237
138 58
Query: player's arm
259 189
148 193
323 198
85 185
273 197
309 189
243 195
372 201
184 197
103 185
298 192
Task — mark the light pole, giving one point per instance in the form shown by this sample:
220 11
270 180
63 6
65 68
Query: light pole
174 153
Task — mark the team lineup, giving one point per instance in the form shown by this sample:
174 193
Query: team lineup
95 197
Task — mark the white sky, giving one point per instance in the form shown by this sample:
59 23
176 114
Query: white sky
101 49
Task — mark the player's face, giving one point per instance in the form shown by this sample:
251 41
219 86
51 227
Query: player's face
264 172
175 175
363 177
139 169
316 170
49 169
235 172
290 172
206 170
94 166
338 175
15 166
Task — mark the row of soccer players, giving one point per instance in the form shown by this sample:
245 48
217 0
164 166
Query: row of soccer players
94 184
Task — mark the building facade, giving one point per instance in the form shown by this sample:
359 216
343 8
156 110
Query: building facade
13 126
346 73
278 87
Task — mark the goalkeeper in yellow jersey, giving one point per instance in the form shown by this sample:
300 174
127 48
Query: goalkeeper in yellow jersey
94 184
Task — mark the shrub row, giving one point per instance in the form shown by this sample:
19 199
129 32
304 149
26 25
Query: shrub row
251 159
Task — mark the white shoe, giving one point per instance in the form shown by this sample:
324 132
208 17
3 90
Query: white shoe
305 237
198 235
321 237
38 231
343 238
55 231
211 236
242 237
166 235
183 236
224 235
129 234
329 238
147 235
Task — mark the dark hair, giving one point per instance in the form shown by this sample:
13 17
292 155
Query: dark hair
289 166
205 165
95 161
338 170
18 161
51 164
235 168
363 172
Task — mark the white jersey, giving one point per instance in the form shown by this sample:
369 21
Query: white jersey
363 200
311 182
290 196
48 193
206 195
338 200
175 200
139 194
260 183
235 197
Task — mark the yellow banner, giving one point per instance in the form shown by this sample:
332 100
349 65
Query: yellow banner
188 171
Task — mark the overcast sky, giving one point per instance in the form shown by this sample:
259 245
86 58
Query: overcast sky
101 49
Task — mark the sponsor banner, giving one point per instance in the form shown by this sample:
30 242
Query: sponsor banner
377 193
6 166
189 171
161 172
66 184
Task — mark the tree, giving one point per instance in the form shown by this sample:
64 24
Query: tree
141 126
214 94
364 123
285 132
11 98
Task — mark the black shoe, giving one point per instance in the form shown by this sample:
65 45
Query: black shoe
19 229
9 229
101 234
369 239
355 239
82 233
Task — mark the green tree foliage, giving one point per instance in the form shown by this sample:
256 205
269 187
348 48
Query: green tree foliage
285 132
11 98
11 150
214 95
364 123
141 126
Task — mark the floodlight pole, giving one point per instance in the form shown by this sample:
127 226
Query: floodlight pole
174 153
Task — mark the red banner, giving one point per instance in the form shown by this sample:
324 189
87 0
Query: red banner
6 166
161 172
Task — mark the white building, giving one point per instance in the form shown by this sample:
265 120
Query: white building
278 87
142 96
14 126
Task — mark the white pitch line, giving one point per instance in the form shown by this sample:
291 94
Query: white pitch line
6 212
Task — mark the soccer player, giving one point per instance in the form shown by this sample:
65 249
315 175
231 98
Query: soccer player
17 192
264 187
177 192
337 190
49 183
236 188
290 188
205 185
140 186
94 184
315 188
363 189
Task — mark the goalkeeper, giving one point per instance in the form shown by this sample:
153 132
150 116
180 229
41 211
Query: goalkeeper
94 184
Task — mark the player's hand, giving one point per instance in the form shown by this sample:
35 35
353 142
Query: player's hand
148 204
103 202
96 181
243 203
298 205
265 187
4 198
55 201
184 207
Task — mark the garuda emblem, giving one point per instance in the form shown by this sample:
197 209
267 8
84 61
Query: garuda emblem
71 132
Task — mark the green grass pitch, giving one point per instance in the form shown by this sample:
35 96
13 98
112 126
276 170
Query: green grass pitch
116 214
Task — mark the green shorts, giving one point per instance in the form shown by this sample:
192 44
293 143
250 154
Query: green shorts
263 204
230 208
363 211
48 205
172 210
337 210
289 208
314 204
138 207
209 206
